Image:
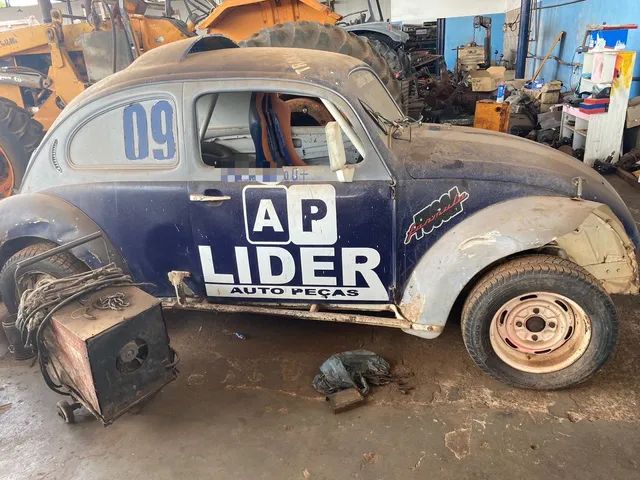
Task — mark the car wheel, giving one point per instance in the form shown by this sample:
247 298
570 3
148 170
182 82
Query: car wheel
57 266
539 322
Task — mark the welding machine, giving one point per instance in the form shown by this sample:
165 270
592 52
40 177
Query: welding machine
110 350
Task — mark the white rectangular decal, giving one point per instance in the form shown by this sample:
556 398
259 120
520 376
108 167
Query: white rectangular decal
292 252
312 214
292 292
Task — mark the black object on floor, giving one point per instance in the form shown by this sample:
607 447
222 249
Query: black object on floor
354 369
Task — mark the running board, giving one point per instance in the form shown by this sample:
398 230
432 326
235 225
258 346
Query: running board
336 317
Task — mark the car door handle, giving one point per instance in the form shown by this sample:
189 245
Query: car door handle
198 197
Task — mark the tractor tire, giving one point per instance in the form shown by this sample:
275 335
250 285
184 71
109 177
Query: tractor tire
19 136
316 36
396 59
400 65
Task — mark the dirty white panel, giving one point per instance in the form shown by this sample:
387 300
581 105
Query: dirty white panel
412 11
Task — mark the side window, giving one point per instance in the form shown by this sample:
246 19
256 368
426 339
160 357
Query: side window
247 130
131 135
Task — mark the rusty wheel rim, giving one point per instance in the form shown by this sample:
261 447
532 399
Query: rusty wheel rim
540 332
7 176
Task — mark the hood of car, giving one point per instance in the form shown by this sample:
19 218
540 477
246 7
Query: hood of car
443 151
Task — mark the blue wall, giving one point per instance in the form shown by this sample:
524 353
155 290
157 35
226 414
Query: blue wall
459 31
574 19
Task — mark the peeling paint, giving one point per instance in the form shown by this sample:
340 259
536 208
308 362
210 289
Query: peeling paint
489 238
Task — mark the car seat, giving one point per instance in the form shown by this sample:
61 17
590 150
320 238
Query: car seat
270 128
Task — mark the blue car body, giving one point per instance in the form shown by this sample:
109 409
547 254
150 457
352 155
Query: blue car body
427 212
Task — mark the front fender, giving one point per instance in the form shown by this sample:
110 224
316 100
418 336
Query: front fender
40 216
587 232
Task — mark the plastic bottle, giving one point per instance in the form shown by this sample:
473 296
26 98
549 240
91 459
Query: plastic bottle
502 90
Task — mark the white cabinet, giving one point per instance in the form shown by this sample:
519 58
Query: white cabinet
595 134
600 135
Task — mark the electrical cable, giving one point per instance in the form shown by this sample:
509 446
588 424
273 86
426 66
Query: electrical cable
512 26
38 304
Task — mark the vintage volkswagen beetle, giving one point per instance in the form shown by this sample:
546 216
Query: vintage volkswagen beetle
285 181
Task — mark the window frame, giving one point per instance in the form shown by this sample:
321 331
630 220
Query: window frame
132 165
372 166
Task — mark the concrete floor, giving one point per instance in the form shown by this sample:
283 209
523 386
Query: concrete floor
245 409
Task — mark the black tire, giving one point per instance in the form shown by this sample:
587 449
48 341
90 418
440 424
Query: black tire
520 278
13 163
58 266
20 134
330 38
396 59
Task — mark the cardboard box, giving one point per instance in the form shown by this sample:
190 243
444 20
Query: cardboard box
487 80
548 94
471 55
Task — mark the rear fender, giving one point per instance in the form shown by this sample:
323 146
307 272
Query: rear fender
586 232
28 218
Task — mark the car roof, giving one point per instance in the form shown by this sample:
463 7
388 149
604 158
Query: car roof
217 57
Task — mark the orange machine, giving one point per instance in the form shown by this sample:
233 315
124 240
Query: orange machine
240 19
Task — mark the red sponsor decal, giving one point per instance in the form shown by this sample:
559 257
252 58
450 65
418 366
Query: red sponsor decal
436 214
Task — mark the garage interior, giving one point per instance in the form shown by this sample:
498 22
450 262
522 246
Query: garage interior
241 392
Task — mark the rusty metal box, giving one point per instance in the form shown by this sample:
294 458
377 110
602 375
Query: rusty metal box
491 115
112 359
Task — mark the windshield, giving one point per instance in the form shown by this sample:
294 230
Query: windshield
375 98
